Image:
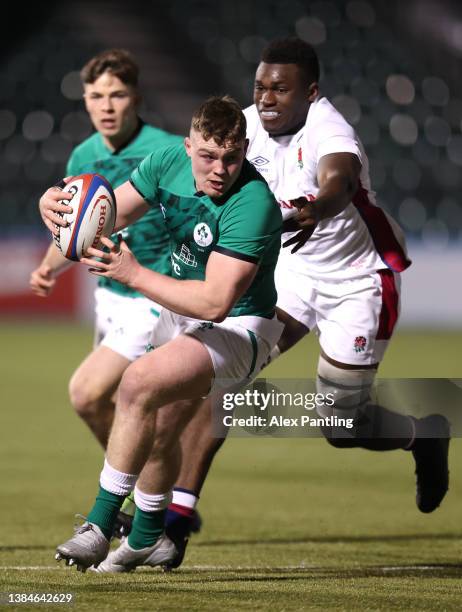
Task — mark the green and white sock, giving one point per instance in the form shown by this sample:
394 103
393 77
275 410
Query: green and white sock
148 524
146 529
105 511
114 487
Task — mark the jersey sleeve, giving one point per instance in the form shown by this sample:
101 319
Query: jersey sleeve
249 227
327 132
338 139
145 178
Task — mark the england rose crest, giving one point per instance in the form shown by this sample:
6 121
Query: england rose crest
360 344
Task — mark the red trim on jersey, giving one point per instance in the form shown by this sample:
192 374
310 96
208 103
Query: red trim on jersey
183 510
390 305
383 237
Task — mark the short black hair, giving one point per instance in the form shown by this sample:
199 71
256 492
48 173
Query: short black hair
293 50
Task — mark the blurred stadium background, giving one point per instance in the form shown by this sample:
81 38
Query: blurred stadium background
352 539
391 68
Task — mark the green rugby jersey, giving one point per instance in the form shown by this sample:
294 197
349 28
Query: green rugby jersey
244 223
149 244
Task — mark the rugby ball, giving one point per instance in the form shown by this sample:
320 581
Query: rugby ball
93 215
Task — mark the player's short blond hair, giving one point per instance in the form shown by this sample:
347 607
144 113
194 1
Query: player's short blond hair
222 119
118 62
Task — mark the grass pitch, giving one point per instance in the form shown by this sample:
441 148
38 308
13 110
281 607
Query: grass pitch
289 524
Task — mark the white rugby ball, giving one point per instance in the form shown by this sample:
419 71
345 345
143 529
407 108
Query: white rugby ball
93 215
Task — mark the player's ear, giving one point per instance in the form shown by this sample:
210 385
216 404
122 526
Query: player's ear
85 101
313 91
187 145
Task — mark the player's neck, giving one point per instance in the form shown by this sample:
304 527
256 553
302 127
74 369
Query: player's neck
120 141
291 131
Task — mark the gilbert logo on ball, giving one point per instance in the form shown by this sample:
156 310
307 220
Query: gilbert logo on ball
93 215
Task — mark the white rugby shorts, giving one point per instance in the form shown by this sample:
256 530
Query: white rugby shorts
124 324
238 346
354 319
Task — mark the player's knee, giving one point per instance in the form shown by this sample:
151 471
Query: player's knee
85 398
346 396
137 391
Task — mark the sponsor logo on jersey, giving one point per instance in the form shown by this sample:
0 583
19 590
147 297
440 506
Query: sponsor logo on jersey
300 158
186 257
259 161
203 235
359 345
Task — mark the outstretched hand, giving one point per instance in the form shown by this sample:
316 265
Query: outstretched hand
305 220
118 263
42 280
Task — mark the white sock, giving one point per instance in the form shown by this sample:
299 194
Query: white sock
183 498
116 482
152 502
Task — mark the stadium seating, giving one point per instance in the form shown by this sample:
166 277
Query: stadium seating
408 118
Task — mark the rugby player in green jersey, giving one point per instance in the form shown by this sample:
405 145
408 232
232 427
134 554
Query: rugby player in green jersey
217 327
124 317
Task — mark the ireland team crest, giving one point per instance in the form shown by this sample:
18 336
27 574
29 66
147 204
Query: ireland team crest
203 235
360 344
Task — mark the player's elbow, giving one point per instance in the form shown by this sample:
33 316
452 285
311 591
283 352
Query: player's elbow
219 310
218 315
221 299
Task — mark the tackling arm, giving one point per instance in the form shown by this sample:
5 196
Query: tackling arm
338 176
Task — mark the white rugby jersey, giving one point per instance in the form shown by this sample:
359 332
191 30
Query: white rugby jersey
360 239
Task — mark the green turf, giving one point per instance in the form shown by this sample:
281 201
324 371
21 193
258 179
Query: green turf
288 524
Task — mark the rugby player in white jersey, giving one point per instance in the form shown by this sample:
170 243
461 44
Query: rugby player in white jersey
338 274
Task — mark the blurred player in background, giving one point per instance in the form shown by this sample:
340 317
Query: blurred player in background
124 318
217 328
342 280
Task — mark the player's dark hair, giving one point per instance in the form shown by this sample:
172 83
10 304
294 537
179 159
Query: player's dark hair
118 62
293 51
222 119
